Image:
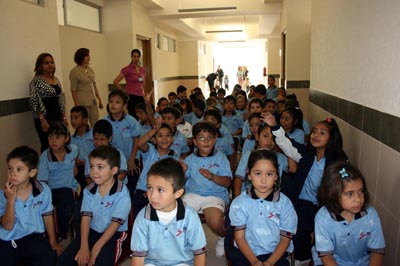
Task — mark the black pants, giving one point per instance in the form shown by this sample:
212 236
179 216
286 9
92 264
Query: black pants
33 249
133 100
64 202
108 255
139 201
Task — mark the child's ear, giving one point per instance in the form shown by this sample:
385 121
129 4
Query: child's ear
179 193
33 172
114 170
110 139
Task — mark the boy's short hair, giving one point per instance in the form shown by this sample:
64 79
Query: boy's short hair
26 154
203 126
230 98
178 107
260 89
221 91
118 92
173 94
241 93
180 89
256 100
213 94
266 101
58 128
81 110
254 115
141 106
214 113
171 110
171 170
161 99
199 104
281 101
163 125
107 153
104 127
211 101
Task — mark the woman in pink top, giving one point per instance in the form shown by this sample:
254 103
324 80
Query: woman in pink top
134 77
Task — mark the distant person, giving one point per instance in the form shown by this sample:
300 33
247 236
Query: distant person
220 73
211 80
272 90
226 83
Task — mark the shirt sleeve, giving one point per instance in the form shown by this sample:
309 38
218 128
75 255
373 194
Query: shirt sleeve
286 146
47 206
323 241
242 166
140 236
376 242
288 219
123 165
195 235
122 207
224 168
3 203
86 208
237 214
43 171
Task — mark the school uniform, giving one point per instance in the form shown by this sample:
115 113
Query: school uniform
196 183
113 207
179 145
297 135
265 221
233 122
249 144
351 243
60 178
26 241
168 244
246 129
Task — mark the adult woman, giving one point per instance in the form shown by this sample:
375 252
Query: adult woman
82 85
46 97
134 77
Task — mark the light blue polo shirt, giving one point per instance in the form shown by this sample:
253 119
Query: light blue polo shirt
246 129
249 144
84 143
313 181
297 135
28 214
149 158
232 122
224 145
122 166
113 207
58 174
124 132
168 244
180 145
196 183
349 243
265 220
193 118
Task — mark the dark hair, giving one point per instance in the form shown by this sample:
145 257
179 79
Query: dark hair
271 77
163 125
180 89
214 113
39 64
80 55
297 116
291 97
292 103
199 104
260 89
242 93
230 98
188 103
107 153
193 97
104 127
178 107
172 94
136 51
59 129
171 110
257 100
333 183
269 101
257 155
171 170
262 127
204 126
81 110
26 154
283 89
213 94
141 106
254 115
120 93
281 101
161 99
221 91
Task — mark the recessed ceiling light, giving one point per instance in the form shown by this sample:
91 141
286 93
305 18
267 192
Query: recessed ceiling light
222 31
207 9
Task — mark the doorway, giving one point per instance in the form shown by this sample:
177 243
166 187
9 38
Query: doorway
144 44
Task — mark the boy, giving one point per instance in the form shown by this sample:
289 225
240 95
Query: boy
198 111
82 138
208 177
172 98
170 116
224 142
272 91
181 92
184 126
126 130
25 212
105 209
167 232
231 119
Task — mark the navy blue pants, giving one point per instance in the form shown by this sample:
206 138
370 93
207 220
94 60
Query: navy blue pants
33 249
139 201
64 203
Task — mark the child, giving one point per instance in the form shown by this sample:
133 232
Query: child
208 177
184 126
269 106
198 111
226 83
167 231
225 142
126 130
181 92
292 124
105 209
26 212
231 119
272 91
221 96
57 167
172 98
82 138
162 136
162 103
255 106
263 219
324 148
241 104
254 122
347 229
187 109
143 117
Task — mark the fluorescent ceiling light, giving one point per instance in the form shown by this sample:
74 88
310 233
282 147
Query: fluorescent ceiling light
207 9
222 31
231 41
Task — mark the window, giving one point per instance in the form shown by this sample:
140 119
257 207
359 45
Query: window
36 2
158 41
166 43
80 14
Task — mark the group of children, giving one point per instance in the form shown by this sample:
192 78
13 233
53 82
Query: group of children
291 191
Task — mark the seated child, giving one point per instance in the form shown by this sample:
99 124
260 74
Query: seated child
162 137
255 106
347 229
263 219
105 209
184 126
254 122
57 167
25 213
187 109
172 98
167 231
225 142
241 106
232 120
198 111
161 105
208 177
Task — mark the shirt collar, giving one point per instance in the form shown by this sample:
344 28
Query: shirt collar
52 158
151 213
116 187
122 118
87 130
339 218
211 154
273 197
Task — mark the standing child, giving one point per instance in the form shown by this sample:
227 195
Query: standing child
263 219
105 209
226 83
167 232
347 229
25 213
57 167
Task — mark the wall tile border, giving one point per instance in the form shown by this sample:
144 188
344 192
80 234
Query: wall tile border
15 106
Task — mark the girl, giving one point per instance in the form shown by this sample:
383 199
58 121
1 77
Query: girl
57 165
255 105
324 148
161 105
254 122
263 219
265 141
347 230
291 121
187 109
241 103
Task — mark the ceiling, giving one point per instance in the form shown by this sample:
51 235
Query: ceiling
217 20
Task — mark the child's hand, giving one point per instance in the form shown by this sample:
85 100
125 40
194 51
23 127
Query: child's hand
93 255
269 119
58 248
83 256
132 167
157 123
257 263
184 166
10 192
147 97
206 173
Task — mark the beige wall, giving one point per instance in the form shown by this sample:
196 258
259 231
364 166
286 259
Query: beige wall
188 55
355 56
274 60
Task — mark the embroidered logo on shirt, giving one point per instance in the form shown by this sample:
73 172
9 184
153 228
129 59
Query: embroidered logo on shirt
364 234
108 204
180 231
37 204
213 165
274 215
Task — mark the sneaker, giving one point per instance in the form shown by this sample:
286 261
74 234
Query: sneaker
219 247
